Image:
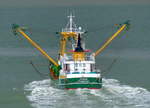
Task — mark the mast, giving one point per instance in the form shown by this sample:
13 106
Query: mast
71 22
70 31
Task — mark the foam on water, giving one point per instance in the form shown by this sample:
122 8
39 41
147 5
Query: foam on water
113 95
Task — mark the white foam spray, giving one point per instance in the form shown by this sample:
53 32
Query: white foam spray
113 95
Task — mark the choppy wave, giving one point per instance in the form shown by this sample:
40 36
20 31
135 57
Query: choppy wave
113 95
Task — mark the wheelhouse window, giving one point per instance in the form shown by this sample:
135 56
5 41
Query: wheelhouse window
92 66
84 65
76 64
67 67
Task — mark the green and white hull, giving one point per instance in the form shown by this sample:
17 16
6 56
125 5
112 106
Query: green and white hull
78 67
75 81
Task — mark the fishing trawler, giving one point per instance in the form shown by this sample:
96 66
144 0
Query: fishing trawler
75 67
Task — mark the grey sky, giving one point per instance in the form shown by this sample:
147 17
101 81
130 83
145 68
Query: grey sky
29 3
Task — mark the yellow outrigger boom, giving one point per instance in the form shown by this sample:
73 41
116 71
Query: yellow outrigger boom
124 26
17 29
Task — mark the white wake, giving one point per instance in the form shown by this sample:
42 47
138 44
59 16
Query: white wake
113 95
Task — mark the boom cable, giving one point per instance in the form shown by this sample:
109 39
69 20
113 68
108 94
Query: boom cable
43 75
107 70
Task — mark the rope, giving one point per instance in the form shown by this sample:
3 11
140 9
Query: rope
34 52
43 75
107 70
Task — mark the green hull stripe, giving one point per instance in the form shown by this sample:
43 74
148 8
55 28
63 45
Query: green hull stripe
81 83
71 86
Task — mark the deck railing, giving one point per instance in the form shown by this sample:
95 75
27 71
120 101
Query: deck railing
87 58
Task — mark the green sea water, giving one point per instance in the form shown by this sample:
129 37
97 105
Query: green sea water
125 85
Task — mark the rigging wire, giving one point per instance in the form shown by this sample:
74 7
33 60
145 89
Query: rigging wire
34 54
107 70
43 75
